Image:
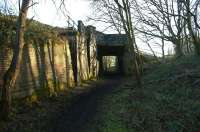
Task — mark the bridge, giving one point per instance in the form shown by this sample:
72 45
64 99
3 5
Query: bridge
111 45
65 58
103 45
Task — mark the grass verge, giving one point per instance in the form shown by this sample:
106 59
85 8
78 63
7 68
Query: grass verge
168 102
112 112
171 98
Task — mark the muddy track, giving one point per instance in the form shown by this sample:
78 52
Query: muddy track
83 108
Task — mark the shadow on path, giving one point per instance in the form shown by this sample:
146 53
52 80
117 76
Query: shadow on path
84 107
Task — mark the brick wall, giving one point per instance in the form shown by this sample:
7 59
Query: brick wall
49 65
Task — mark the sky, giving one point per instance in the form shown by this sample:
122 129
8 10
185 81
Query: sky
46 12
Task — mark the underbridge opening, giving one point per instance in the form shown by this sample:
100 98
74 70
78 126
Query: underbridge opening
110 53
110 65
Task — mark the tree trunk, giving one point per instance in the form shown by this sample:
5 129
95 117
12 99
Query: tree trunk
163 50
178 49
125 16
163 43
190 29
197 47
14 68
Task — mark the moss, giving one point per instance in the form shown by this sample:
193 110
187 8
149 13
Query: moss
33 99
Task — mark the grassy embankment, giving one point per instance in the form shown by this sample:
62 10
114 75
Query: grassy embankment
169 101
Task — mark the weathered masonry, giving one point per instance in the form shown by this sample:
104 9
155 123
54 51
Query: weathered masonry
53 64
58 64
111 45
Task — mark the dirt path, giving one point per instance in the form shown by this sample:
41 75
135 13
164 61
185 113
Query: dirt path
84 108
70 111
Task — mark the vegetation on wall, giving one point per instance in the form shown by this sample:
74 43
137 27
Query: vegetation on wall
35 31
37 34
162 96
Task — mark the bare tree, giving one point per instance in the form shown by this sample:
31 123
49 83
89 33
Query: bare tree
118 14
13 70
178 17
161 19
105 11
124 9
192 23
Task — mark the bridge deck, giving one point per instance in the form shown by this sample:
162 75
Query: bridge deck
111 40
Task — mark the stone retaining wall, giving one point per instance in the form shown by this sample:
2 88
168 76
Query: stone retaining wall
54 65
